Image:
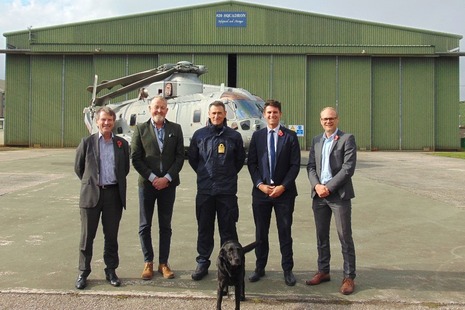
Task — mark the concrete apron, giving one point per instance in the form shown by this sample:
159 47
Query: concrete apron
408 220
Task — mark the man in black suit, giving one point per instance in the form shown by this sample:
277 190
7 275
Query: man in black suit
158 156
274 163
102 164
331 165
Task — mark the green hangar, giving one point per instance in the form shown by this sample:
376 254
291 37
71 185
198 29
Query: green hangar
395 88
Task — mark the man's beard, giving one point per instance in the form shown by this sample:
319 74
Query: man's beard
158 119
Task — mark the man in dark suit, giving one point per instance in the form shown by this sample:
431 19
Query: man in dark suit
102 164
274 163
331 165
216 153
158 156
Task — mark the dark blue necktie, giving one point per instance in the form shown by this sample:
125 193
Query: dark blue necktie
272 154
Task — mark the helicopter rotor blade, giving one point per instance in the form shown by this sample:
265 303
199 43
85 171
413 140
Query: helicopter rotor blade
124 81
135 85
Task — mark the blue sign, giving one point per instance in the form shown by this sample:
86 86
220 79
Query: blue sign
231 19
299 129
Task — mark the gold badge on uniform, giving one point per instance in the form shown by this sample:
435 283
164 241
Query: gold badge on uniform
221 148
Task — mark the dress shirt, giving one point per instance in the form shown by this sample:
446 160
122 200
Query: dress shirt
326 174
107 161
160 134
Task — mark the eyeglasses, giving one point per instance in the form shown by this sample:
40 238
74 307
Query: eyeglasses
328 119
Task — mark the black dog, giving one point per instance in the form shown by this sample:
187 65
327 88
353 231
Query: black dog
231 270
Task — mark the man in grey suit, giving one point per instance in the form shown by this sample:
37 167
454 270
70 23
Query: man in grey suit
158 156
331 165
102 164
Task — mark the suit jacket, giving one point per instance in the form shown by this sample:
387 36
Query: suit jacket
342 160
146 155
287 160
87 166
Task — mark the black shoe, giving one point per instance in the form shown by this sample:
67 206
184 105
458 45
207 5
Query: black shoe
112 277
81 282
289 278
201 271
257 274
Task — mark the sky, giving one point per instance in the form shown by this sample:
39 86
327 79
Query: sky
442 16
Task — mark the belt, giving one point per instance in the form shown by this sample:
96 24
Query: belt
108 186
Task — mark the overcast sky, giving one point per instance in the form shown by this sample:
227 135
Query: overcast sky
442 16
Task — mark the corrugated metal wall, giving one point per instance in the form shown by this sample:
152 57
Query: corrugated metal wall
417 104
279 77
447 93
252 73
378 99
78 74
217 66
17 100
385 104
321 92
46 118
354 98
345 84
288 87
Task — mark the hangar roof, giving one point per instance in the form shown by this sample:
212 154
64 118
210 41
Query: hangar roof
197 29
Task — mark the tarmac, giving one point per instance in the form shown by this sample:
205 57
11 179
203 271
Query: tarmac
408 228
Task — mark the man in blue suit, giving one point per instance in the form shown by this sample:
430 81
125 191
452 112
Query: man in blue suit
273 163
331 165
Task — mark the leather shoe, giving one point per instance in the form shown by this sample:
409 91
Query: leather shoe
257 274
318 278
112 277
347 286
165 270
289 278
81 282
147 274
201 271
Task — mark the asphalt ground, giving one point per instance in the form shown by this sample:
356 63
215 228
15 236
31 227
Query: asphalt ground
408 226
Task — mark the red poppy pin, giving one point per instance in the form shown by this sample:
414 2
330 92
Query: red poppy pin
119 143
280 133
336 137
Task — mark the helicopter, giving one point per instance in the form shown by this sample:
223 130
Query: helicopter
188 101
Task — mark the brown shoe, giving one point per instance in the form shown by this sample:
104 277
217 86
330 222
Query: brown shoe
165 270
318 278
147 274
348 286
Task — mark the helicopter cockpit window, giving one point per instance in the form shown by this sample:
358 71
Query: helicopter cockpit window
196 116
230 110
247 109
245 125
168 90
133 119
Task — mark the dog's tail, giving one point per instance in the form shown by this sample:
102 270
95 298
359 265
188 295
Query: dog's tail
249 247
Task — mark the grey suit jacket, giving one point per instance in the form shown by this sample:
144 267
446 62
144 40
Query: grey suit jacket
87 166
342 159
146 155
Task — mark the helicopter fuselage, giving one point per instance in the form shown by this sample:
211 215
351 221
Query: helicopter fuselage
188 102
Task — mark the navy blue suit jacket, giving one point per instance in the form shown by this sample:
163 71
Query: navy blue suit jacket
287 160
